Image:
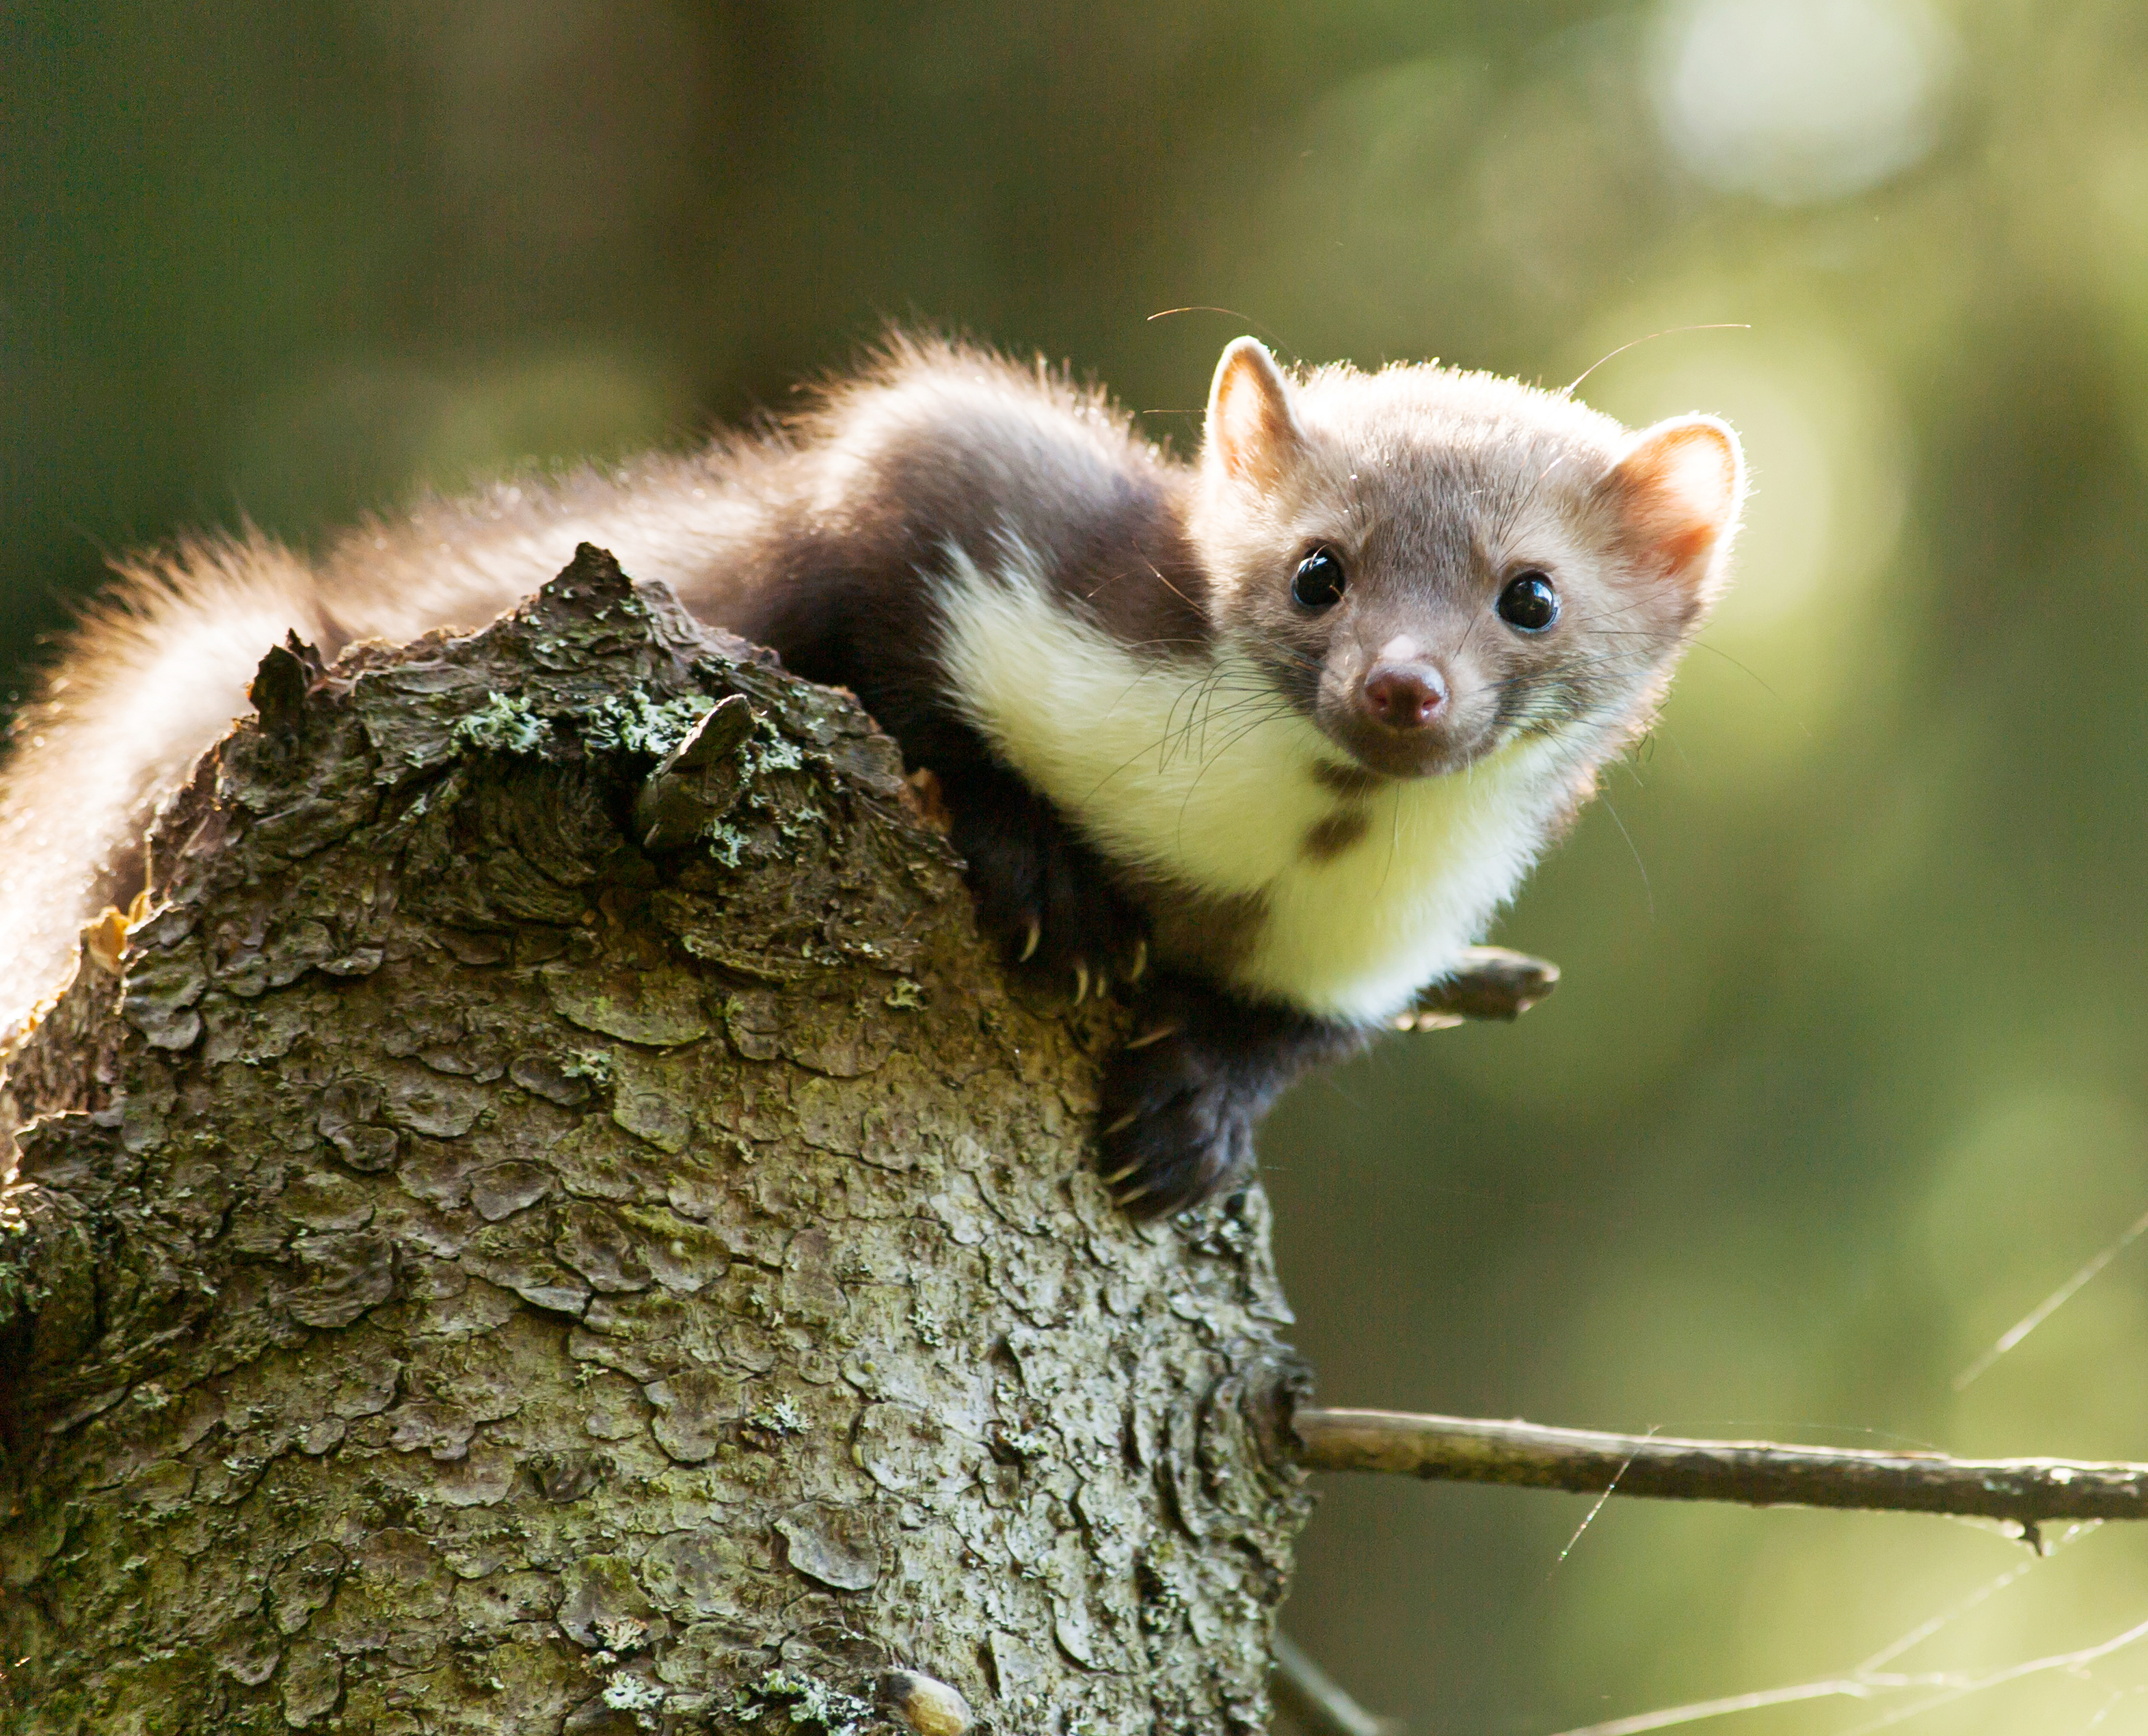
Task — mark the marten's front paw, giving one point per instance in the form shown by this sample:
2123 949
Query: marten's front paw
1488 982
1047 903
1171 1132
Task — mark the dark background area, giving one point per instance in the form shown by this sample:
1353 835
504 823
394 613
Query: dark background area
1847 1073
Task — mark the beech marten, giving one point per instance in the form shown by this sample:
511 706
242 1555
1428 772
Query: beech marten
1263 741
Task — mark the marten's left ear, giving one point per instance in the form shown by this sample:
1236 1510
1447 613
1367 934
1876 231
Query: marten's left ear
1678 486
1252 432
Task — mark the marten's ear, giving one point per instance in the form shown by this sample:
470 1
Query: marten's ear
1678 486
1252 435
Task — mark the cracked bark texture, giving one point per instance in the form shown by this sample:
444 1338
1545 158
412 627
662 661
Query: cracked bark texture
468 1272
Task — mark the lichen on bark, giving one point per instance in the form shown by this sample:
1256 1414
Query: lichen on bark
469 1272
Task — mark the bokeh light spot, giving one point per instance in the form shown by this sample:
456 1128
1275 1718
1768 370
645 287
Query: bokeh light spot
1800 100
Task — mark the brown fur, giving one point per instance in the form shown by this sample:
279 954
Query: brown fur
821 536
1337 833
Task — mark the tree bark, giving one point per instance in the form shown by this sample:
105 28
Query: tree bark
512 1243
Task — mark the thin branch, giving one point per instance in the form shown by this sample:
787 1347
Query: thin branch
1941 1688
1700 1710
2050 1305
1319 1703
1759 1473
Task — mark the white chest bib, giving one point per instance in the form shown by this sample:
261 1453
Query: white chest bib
1202 773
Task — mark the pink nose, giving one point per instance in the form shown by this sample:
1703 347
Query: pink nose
1405 696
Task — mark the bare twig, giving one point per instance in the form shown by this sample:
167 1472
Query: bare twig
1759 1473
1316 1701
2050 1304
1937 1688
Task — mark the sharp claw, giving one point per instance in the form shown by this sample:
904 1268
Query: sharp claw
1120 1126
1029 947
1141 962
1103 985
1080 984
1132 1194
1156 1035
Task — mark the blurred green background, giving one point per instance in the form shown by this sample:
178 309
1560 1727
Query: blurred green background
1847 1074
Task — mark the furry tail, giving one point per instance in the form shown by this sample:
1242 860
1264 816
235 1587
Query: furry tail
154 672
157 669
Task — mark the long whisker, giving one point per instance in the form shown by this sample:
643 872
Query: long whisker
1199 697
1191 789
1645 887
1252 324
1702 645
1668 331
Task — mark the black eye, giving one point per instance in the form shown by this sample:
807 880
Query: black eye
1529 603
1318 583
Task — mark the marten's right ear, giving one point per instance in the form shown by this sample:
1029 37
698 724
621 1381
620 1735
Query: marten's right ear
1252 432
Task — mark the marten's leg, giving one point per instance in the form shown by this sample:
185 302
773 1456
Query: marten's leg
1041 893
1182 1099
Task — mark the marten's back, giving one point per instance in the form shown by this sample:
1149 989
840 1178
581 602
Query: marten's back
820 537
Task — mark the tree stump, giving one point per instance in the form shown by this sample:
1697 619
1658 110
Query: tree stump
552 1220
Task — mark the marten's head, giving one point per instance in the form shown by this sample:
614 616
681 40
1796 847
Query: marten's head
1432 565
